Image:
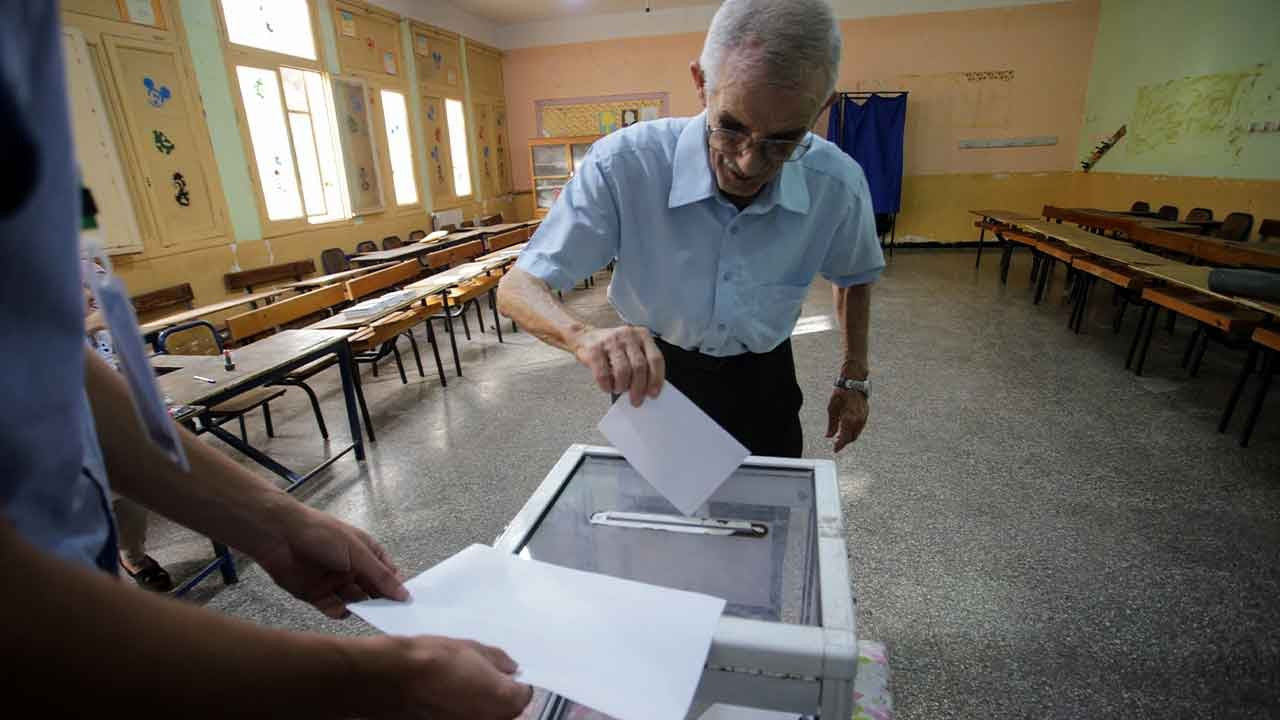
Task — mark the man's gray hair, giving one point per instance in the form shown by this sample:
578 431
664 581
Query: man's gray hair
795 39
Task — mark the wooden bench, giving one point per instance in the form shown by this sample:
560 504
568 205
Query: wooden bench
382 279
455 255
1088 270
1225 317
176 297
248 279
507 239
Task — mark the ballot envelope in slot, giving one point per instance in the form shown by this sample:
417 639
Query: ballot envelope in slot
770 541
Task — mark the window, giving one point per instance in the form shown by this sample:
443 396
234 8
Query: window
295 143
396 119
279 26
457 123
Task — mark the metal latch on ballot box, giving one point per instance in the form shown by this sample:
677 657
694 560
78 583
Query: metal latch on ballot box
680 524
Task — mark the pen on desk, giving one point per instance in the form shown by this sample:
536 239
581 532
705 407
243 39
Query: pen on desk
202 378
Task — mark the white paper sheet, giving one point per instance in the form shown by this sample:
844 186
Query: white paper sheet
627 649
674 445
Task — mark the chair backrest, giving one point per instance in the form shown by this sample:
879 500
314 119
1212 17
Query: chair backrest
507 239
247 279
1200 215
281 313
416 235
467 224
334 260
382 279
365 246
165 299
455 255
391 242
448 228
196 337
486 221
1140 206
1168 212
1236 227
1269 230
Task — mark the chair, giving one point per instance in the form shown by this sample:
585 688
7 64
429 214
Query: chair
391 242
416 235
448 228
467 224
365 246
198 337
1236 227
334 260
1168 212
295 311
1269 230
247 279
1199 215
486 221
1140 206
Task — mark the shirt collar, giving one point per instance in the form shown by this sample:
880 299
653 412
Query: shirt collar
692 180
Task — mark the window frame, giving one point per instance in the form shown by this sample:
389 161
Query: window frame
406 97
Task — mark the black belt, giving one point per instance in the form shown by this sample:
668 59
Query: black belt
702 361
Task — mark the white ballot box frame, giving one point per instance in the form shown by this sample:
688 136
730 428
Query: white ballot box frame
768 665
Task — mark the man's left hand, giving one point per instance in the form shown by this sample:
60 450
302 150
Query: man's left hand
328 563
846 416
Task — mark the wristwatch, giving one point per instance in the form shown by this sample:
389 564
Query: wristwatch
862 386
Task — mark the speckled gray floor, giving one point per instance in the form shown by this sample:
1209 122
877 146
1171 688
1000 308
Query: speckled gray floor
1034 532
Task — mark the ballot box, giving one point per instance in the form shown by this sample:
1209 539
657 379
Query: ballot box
770 541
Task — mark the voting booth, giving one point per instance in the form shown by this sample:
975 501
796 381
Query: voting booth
770 541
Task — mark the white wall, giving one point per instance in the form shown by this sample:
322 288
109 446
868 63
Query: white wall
590 28
444 15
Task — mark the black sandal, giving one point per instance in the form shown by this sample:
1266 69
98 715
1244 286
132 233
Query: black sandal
151 577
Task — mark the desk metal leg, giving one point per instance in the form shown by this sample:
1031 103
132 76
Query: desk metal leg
435 351
1146 341
346 365
1241 381
453 339
493 305
982 233
1268 372
222 562
1137 337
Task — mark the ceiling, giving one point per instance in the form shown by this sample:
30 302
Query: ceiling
511 12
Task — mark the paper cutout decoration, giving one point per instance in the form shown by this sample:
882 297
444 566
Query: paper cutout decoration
368 42
353 126
357 104
182 197
437 58
421 44
389 62
608 121
431 112
259 89
157 95
364 179
346 23
162 142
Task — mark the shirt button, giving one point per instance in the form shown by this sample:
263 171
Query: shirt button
733 230
727 276
722 326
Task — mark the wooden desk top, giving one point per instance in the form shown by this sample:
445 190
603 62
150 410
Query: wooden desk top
1196 277
1093 244
252 361
1006 217
399 254
342 321
235 301
318 282
1210 249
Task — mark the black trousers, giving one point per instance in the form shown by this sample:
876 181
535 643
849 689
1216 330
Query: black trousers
754 397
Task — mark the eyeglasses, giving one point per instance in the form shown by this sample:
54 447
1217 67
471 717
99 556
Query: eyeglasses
732 142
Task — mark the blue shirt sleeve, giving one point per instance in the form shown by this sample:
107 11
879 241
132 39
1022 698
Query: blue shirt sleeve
854 257
580 234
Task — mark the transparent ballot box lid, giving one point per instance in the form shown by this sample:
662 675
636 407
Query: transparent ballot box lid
770 541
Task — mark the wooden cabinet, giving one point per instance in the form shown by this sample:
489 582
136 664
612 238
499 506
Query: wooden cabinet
552 161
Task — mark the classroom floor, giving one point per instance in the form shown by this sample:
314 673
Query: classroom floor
1034 532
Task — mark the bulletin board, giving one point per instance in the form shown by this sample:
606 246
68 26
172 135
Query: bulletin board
484 67
160 116
438 160
355 128
140 12
99 161
571 117
367 41
439 59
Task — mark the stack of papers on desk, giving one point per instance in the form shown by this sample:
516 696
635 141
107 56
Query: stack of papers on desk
624 648
378 304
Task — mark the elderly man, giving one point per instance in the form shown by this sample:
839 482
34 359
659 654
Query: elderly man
718 224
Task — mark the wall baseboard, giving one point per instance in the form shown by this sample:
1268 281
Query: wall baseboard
935 245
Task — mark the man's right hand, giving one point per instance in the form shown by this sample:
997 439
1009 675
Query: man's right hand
623 360
444 678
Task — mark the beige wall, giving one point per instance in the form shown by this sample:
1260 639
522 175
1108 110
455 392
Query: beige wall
1048 47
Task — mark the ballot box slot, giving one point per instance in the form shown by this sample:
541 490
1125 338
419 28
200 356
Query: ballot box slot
680 524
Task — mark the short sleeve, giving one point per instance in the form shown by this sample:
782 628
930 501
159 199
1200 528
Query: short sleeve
854 257
580 234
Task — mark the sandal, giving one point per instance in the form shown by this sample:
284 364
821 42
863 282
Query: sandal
151 577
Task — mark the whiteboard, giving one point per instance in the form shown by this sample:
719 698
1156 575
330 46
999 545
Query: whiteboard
96 153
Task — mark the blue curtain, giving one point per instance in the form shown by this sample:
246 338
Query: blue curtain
873 131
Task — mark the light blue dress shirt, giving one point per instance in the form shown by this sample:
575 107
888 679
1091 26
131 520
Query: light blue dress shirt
690 267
